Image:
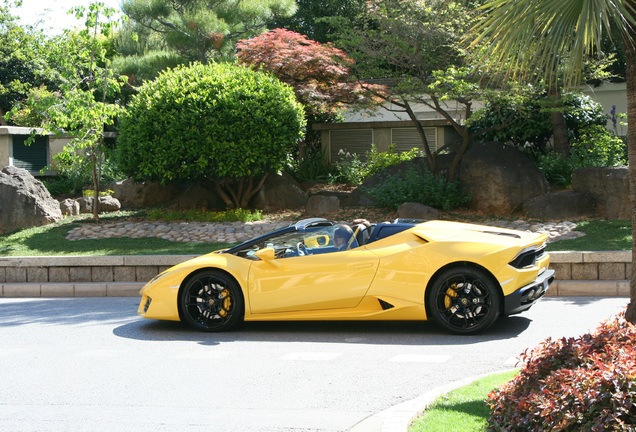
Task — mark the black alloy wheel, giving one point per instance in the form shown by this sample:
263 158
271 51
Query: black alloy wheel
212 301
464 300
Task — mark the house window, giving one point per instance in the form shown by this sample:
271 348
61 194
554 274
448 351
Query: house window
351 141
407 138
31 157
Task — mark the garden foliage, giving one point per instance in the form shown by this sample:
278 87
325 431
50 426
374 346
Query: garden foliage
593 146
418 185
353 169
586 383
522 119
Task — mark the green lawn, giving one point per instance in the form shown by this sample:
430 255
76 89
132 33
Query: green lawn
51 240
599 236
463 409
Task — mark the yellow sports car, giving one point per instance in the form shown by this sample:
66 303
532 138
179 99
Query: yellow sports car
462 276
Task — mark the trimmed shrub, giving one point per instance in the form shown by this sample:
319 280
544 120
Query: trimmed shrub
220 124
586 383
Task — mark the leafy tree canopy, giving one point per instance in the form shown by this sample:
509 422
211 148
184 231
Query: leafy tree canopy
521 117
219 124
318 73
412 47
83 106
201 30
315 19
26 62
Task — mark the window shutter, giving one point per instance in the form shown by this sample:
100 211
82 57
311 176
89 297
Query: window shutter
407 138
350 141
32 157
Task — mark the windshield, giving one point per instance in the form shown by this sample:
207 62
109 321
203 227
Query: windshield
290 242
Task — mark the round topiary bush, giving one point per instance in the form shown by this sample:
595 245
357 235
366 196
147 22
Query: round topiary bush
217 123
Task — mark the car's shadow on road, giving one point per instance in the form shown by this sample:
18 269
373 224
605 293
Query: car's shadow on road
120 313
364 332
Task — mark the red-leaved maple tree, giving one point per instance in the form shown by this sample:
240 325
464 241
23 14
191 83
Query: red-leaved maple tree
319 73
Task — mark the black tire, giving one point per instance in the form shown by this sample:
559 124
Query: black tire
464 300
212 301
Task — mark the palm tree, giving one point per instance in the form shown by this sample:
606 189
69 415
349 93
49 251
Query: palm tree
555 37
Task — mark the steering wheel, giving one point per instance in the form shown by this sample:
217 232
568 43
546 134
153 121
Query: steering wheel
302 249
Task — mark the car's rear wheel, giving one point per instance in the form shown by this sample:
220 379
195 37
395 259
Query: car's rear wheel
211 301
464 300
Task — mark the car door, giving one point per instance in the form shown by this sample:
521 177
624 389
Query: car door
312 282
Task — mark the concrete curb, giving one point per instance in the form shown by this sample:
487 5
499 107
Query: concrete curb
71 289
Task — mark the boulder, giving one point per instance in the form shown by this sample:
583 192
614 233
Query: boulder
499 178
106 204
412 210
70 207
561 205
359 197
24 201
197 196
320 205
139 195
609 187
280 192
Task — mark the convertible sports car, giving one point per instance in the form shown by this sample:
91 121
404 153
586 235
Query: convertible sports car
462 276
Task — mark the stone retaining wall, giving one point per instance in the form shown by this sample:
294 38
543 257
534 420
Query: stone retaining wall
80 276
577 273
591 273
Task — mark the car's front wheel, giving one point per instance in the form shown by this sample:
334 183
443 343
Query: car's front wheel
464 300
211 301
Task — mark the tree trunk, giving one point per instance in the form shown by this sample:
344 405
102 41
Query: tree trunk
630 56
238 193
430 156
559 129
452 170
95 172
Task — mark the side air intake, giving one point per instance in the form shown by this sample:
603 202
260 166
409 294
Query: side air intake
385 305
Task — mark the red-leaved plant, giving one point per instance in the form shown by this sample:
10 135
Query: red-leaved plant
586 383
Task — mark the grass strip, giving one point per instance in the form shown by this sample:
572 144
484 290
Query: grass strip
463 409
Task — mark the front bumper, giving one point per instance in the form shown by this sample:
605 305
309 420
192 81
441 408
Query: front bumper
523 298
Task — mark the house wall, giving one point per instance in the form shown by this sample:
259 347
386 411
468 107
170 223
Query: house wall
608 95
382 120
55 145
5 146
382 133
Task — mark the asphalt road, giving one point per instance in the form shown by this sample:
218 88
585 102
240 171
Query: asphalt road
90 364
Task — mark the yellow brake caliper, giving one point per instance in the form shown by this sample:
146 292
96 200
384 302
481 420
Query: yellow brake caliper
226 301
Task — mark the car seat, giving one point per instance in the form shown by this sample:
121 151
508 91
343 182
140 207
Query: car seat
362 234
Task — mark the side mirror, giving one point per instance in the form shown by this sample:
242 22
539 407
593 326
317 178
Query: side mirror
268 255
